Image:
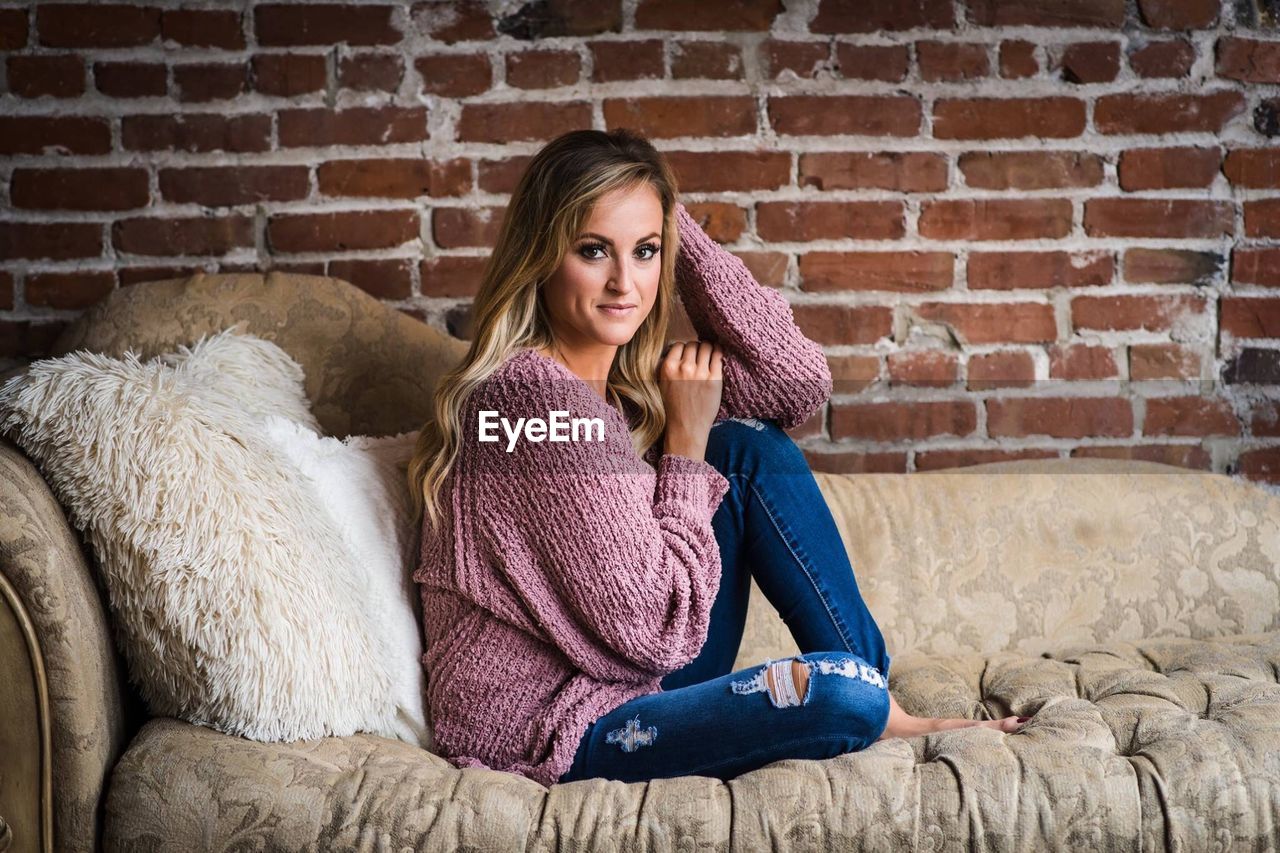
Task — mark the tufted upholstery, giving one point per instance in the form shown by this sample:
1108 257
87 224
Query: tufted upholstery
1131 607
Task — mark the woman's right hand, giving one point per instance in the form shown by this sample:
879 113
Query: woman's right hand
690 380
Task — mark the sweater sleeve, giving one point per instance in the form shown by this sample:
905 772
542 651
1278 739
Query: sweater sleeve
770 368
619 571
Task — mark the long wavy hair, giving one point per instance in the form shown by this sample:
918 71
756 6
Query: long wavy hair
549 207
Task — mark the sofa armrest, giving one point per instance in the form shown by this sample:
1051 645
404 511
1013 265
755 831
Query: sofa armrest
67 715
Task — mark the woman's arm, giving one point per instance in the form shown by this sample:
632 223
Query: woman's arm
771 370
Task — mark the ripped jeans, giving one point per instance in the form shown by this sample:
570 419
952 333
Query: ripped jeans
773 525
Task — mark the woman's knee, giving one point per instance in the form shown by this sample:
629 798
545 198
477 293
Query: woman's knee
842 692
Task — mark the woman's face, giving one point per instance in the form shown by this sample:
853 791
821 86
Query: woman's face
614 260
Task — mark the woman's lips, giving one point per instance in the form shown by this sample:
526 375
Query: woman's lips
617 311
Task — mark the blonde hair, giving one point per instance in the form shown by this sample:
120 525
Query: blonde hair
552 202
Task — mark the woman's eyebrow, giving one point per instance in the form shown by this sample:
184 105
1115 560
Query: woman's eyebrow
604 239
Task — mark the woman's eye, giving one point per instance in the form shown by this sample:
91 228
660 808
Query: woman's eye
648 247
588 248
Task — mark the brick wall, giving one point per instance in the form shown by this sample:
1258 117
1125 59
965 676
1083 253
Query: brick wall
1020 229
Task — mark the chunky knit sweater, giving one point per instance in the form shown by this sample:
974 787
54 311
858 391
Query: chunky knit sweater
568 577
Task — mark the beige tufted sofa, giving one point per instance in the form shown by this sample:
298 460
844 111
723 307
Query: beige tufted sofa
1132 608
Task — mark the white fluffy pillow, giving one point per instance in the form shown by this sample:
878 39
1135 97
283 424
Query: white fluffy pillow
241 601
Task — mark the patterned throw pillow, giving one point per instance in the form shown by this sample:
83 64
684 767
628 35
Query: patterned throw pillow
247 595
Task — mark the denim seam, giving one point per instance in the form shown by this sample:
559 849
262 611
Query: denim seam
697 770
821 597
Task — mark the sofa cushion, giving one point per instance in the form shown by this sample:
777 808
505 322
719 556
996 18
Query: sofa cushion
1150 745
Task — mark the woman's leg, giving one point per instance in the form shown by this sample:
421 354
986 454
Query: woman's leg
774 524
815 706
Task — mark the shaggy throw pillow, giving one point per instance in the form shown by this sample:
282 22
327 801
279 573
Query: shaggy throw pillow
245 598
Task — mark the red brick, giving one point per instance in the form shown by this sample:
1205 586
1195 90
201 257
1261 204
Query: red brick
1182 455
708 15
995 219
708 60
1248 60
226 186
857 115
1007 118
394 178
1163 361
211 81
723 221
1190 415
517 122
1002 369
54 75
1150 217
197 132
543 69
105 188
836 325
1265 418
1179 14
455 75
1262 464
786 221
501 176
1258 168
1018 59
1170 266
196 235
908 272
856 462
1256 266
131 79
1165 114
901 171
1030 170
1168 168
986 323
1163 59
384 125
1262 218
1249 317
1039 270
663 117
888 63
625 60
1059 417
924 368
57 241
804 59
1130 312
13 29
463 20
82 25
1047 13
342 231
1080 362
385 278
952 61
62 134
1091 62
203 28
371 72
138 274
907 420
69 290
288 74
452 275
768 268
457 227
873 16
285 25
853 373
932 460
728 171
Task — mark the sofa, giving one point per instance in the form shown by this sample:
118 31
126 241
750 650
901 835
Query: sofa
1131 608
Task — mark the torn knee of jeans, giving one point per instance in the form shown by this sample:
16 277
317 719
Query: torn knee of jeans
779 680
851 668
632 736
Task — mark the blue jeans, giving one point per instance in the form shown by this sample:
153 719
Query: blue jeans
773 525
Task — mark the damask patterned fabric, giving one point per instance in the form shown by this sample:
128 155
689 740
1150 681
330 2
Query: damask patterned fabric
1130 607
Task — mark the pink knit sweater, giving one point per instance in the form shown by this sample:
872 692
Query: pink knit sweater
569 577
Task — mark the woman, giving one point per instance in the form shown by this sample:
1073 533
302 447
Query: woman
583 600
